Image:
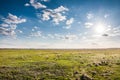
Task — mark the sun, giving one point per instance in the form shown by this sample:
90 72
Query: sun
100 28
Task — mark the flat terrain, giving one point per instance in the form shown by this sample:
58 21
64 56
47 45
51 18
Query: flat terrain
88 64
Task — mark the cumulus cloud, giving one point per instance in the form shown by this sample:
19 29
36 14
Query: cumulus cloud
56 15
34 28
61 9
13 19
45 0
51 36
106 15
79 22
67 37
8 32
90 16
35 4
88 24
27 4
46 15
4 25
70 37
36 34
114 31
9 24
70 21
67 27
19 31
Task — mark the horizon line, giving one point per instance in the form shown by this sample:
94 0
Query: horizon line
57 48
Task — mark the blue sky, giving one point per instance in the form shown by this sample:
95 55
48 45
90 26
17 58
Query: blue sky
59 24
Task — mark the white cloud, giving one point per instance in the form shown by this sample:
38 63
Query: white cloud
70 37
9 25
67 27
36 34
106 15
8 32
13 19
58 17
70 21
35 4
64 37
114 31
4 25
67 37
27 4
46 15
34 28
79 22
38 5
4 31
61 9
54 14
90 16
51 36
19 31
45 0
88 24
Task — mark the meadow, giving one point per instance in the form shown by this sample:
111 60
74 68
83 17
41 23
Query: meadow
84 64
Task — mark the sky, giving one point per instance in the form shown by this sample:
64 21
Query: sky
59 24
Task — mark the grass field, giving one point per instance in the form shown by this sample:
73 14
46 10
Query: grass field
88 64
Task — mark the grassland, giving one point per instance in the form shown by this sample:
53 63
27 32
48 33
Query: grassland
60 64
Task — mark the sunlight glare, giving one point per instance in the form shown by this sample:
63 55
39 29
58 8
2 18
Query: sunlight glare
100 28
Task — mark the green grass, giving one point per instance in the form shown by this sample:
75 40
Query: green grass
95 64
